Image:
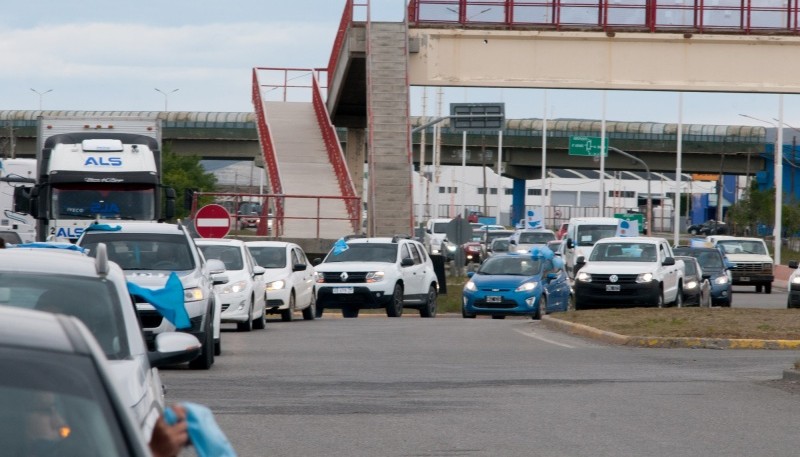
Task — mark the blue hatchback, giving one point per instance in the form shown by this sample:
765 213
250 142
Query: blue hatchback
517 285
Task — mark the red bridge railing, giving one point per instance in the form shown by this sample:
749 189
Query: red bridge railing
268 150
758 17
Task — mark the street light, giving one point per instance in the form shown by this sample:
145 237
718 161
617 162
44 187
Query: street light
166 96
41 94
649 209
778 166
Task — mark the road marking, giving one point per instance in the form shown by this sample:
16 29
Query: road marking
541 338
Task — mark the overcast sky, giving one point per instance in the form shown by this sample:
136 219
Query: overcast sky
113 55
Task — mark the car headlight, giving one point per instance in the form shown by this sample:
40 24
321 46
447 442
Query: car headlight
234 288
193 294
276 285
583 277
724 280
375 276
319 276
644 277
527 287
691 284
470 286
451 247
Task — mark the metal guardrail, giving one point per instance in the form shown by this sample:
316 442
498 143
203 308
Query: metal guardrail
757 17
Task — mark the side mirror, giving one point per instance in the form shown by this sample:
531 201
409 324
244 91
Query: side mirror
668 261
316 261
407 262
173 348
215 266
570 243
551 276
22 199
470 274
512 242
793 264
299 267
259 270
581 260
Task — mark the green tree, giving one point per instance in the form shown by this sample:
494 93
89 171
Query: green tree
184 173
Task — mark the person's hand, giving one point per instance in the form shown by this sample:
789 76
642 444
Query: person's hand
168 440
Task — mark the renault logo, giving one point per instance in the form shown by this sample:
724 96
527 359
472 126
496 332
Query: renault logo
343 276
613 278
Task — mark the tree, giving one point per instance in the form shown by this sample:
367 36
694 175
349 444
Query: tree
184 173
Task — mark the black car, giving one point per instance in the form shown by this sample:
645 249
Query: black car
713 263
709 227
696 284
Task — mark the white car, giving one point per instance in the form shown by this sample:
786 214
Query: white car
289 278
389 273
522 241
149 252
243 298
94 290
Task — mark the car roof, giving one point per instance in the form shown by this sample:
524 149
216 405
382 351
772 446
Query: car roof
33 329
219 241
143 227
51 261
631 239
376 240
269 243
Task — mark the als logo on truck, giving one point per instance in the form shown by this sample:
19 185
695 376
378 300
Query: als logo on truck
67 232
103 161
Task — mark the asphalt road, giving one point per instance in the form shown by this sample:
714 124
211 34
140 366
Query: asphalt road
746 297
376 386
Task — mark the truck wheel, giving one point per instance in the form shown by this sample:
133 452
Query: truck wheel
758 289
767 288
395 306
679 298
660 299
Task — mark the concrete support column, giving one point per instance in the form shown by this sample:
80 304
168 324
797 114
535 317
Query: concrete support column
517 201
355 156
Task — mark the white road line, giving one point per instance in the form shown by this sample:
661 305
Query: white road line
540 338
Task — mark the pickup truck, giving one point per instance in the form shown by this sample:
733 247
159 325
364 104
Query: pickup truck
752 264
630 270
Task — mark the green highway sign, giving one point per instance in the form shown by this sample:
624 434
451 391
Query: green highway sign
586 146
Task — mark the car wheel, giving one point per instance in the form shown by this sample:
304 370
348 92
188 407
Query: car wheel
260 323
429 310
287 314
206 357
218 346
319 310
309 312
678 298
350 311
498 316
660 299
767 288
247 325
465 314
395 306
542 309
571 305
758 289
693 231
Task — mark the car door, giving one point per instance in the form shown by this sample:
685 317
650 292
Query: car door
412 274
670 279
304 279
259 286
557 289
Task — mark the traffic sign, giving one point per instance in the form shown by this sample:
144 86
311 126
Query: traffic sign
638 217
212 221
459 231
586 146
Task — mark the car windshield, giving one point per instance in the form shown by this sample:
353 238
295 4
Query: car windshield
143 251
689 266
92 300
49 397
742 247
365 252
500 245
535 237
624 252
269 256
510 265
231 256
440 227
588 235
710 260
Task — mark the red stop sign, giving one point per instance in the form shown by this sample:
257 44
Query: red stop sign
212 221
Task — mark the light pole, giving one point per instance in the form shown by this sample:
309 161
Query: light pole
778 173
166 96
41 94
649 209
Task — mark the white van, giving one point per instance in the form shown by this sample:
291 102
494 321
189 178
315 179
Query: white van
437 231
582 234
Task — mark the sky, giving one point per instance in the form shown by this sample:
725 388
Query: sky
200 54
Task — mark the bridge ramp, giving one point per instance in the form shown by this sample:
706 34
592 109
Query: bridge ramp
305 169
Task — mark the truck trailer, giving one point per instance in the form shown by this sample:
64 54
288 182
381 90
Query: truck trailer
97 169
17 177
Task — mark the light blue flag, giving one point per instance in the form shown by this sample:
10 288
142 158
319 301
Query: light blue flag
168 301
103 228
340 246
51 245
207 438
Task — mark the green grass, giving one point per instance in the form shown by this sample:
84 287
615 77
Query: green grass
451 303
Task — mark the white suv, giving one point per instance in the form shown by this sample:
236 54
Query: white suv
389 273
149 252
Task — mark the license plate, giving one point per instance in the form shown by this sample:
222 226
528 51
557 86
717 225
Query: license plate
612 287
744 278
343 290
494 299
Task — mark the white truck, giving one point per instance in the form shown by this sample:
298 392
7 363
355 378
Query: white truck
752 264
436 229
636 270
582 234
17 177
105 169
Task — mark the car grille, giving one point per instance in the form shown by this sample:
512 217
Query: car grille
225 306
621 279
759 267
352 277
505 304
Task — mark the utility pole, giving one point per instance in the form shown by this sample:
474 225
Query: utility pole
483 165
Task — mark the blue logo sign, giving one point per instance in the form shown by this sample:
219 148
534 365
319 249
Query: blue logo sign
103 161
68 232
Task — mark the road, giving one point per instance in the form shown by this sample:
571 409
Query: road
746 297
376 386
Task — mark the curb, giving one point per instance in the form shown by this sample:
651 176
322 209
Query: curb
658 342
791 375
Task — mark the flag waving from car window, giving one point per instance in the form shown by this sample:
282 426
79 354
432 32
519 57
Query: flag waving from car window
168 301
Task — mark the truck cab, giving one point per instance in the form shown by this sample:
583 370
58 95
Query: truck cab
582 234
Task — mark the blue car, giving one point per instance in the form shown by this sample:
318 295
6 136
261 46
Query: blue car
714 263
517 285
